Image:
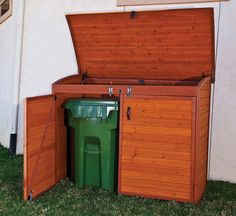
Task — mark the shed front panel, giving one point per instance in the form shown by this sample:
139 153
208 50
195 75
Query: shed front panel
155 151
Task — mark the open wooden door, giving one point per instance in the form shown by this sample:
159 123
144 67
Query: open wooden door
39 146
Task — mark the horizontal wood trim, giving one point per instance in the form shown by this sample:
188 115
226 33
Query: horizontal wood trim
153 138
76 79
170 123
153 153
156 177
158 169
152 192
156 185
188 91
159 130
156 161
143 194
160 2
157 146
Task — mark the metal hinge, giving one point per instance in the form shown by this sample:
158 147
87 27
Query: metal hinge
129 90
84 77
110 90
203 74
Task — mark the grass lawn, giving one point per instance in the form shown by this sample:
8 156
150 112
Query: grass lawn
66 199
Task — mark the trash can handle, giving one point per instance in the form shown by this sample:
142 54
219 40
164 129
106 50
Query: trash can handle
129 113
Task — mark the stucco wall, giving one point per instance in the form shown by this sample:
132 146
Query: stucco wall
8 32
223 148
48 55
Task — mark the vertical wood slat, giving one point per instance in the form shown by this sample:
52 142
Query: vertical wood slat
39 145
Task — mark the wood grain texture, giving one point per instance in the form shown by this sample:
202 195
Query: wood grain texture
155 150
172 44
202 135
39 145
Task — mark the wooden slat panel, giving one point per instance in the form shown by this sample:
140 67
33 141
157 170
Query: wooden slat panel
155 152
172 44
166 138
144 152
155 161
178 179
151 192
39 145
159 130
167 106
157 169
158 122
156 185
162 115
152 145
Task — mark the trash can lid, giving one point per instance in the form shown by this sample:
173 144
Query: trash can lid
90 108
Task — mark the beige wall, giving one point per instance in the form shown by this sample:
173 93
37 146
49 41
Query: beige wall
223 149
8 41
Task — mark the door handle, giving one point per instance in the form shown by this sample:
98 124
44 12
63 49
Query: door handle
129 113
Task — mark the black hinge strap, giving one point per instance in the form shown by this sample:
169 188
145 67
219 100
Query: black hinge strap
84 77
133 15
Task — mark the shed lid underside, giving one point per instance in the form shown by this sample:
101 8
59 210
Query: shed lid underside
171 44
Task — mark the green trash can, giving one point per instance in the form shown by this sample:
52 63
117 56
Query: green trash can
95 134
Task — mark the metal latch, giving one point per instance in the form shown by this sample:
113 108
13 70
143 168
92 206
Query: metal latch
129 113
84 77
110 90
30 196
129 91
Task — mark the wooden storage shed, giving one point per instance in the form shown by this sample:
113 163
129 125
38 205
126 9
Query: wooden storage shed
159 65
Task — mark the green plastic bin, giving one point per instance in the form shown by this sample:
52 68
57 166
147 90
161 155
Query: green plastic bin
95 134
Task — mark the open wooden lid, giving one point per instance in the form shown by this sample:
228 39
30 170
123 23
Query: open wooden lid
171 44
